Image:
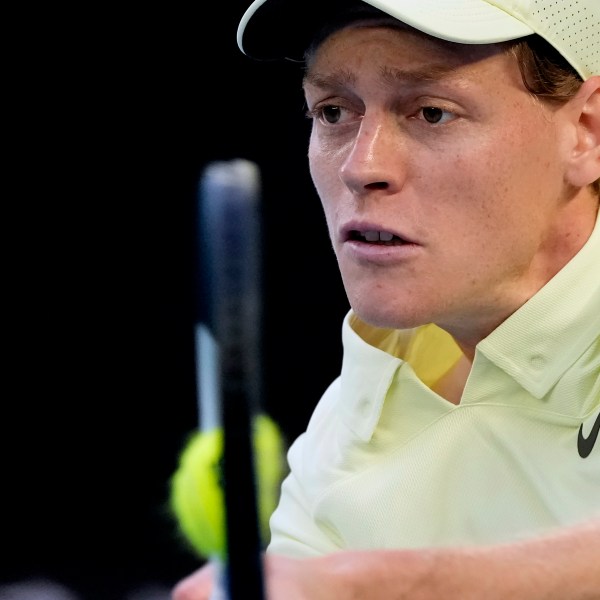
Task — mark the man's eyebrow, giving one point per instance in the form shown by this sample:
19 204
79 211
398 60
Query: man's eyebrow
425 74
338 78
342 77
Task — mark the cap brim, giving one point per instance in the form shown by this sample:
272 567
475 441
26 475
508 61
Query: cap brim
278 29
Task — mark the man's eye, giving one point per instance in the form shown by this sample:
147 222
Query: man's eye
331 114
435 115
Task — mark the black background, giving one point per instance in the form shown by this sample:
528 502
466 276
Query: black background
113 114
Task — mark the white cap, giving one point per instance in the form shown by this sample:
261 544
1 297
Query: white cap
277 29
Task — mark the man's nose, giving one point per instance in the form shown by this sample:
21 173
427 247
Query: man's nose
377 157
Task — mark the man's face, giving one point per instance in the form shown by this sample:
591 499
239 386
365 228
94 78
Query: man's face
441 178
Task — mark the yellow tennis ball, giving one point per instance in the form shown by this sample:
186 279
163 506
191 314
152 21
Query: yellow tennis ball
197 496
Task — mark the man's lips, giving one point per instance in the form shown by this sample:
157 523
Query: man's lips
387 238
372 234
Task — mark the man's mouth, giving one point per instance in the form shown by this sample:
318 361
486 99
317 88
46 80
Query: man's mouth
384 238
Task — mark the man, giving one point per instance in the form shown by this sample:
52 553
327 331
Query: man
457 157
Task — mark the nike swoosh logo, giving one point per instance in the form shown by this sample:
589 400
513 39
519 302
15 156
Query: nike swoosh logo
586 444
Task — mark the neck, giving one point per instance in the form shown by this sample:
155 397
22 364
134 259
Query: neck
451 386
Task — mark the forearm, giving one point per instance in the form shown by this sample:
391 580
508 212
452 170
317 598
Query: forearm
562 566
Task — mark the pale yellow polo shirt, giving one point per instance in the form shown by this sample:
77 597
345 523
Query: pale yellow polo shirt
385 462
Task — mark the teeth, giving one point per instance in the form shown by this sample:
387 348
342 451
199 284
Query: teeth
376 236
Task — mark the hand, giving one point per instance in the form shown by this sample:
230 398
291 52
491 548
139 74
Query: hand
197 586
287 579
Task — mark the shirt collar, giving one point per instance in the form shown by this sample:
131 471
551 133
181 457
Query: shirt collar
566 314
367 373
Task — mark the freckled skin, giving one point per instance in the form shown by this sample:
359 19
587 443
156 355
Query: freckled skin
484 195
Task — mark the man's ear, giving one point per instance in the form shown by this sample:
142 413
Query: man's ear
584 163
